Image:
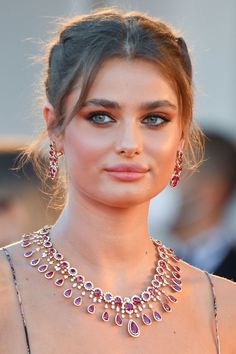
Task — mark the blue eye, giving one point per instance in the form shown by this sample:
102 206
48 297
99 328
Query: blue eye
155 120
100 118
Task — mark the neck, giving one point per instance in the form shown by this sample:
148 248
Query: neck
105 241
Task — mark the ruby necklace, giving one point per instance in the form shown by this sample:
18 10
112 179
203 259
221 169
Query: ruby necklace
146 307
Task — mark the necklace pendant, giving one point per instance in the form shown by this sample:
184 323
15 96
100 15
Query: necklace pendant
146 319
118 320
105 316
133 329
91 309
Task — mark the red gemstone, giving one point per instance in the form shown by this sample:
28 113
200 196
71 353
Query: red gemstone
118 320
158 278
35 262
156 283
91 309
108 297
175 258
64 265
133 328
176 287
156 316
166 307
146 319
162 263
28 254
59 282
172 298
88 285
25 243
77 301
49 275
42 268
174 181
136 300
176 275
97 292
145 296
151 290
163 255
160 270
129 307
47 244
176 281
72 271
118 300
176 268
68 293
105 316
80 279
58 256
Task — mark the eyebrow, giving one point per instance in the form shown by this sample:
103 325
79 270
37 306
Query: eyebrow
115 105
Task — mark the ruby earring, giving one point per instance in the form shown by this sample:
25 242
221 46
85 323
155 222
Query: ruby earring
53 160
177 170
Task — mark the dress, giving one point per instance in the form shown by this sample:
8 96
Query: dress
25 325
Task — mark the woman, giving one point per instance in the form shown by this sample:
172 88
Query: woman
119 110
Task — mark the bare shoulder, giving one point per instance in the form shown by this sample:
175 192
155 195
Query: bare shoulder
7 292
225 295
225 298
10 319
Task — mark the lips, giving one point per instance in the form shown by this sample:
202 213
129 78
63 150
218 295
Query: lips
127 168
127 172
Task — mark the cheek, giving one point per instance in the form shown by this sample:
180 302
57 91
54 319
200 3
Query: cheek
163 151
83 147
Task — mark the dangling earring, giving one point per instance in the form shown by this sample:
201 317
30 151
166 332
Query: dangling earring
53 160
177 170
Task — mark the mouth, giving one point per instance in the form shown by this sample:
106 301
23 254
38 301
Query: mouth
127 172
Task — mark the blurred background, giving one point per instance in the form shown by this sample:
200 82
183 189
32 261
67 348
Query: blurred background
209 29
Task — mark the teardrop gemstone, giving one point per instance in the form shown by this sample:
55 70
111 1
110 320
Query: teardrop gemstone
146 319
91 309
176 287
49 275
105 316
42 268
28 254
118 320
59 282
156 316
77 301
35 262
68 293
133 328
172 298
25 243
166 307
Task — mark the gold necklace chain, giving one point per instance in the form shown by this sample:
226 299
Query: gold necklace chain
144 307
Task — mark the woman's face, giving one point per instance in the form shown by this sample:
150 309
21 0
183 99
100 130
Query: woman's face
130 117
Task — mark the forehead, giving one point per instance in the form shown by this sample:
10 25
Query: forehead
129 81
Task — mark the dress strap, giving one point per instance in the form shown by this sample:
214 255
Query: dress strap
215 311
18 297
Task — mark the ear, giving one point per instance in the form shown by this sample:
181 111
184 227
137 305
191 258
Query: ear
181 142
50 118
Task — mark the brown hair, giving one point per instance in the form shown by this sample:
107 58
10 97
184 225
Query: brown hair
83 43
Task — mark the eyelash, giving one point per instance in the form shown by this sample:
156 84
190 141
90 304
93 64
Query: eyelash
103 114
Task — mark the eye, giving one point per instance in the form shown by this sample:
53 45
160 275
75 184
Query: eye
155 120
100 118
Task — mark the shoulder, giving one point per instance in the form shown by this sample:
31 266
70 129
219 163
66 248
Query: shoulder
225 295
10 319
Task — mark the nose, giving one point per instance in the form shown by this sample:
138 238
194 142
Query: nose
129 142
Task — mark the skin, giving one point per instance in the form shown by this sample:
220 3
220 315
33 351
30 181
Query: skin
119 228
103 227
